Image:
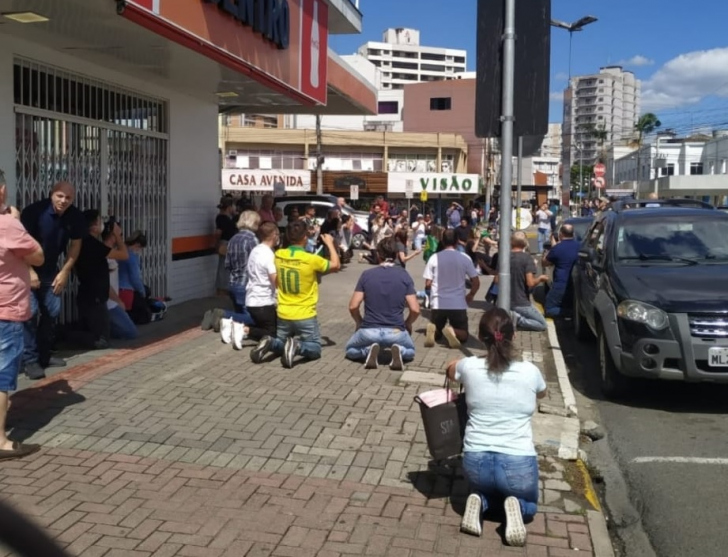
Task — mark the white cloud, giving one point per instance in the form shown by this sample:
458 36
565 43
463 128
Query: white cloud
561 76
636 61
687 80
556 96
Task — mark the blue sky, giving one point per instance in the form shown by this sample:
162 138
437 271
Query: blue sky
679 49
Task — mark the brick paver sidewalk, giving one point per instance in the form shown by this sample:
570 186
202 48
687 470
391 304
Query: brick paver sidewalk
186 448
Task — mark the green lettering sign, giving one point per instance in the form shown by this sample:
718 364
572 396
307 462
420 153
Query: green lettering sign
467 184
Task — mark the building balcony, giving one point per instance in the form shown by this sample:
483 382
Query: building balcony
344 17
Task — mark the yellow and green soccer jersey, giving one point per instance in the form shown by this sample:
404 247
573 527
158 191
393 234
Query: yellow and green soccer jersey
298 282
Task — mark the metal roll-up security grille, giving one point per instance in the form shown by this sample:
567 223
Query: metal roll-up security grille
111 143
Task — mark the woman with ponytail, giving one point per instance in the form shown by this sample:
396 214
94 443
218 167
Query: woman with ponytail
499 458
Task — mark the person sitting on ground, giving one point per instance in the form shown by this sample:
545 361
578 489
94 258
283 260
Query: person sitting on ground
132 290
498 444
445 275
94 283
121 326
297 276
233 325
260 295
562 256
523 281
400 239
385 291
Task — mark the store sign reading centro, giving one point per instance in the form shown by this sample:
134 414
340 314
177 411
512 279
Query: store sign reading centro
434 183
266 180
270 18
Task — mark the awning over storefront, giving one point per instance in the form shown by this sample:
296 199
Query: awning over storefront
197 47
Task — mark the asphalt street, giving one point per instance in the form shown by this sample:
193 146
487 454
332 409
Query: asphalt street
682 503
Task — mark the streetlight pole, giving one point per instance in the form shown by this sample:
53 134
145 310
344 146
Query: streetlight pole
504 247
572 28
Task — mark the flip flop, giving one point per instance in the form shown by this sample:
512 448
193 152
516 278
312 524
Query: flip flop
18 451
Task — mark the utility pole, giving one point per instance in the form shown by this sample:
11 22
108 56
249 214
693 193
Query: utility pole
519 177
319 159
504 247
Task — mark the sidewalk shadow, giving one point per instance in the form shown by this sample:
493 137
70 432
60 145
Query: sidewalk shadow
33 409
445 479
178 319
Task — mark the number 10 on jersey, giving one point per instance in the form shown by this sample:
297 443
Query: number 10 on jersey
290 281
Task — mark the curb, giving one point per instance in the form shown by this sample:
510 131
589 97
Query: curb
599 533
601 542
561 371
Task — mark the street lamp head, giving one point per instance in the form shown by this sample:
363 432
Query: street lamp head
583 22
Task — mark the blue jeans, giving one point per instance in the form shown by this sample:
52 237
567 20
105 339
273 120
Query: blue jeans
418 242
122 327
308 333
460 248
241 314
555 300
39 329
530 319
495 476
11 354
358 346
544 235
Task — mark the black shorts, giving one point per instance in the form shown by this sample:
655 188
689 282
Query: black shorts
458 319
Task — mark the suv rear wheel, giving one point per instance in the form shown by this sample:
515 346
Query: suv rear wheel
613 383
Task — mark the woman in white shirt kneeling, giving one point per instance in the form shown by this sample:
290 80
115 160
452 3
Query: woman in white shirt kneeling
499 457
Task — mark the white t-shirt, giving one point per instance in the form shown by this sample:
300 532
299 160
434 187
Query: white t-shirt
261 264
419 229
448 271
500 406
544 219
113 281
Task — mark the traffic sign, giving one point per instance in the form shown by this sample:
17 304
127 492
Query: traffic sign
599 170
354 193
409 189
423 196
599 182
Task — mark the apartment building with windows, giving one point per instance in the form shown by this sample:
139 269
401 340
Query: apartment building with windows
609 101
402 59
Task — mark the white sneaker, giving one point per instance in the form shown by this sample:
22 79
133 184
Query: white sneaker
472 522
226 330
430 335
452 340
515 529
238 335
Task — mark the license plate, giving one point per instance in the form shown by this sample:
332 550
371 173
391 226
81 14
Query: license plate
718 357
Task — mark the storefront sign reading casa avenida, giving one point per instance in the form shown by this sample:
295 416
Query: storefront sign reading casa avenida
434 183
237 179
270 18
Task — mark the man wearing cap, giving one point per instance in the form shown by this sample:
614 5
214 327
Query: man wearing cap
54 223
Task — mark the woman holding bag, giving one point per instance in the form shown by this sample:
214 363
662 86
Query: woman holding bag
499 458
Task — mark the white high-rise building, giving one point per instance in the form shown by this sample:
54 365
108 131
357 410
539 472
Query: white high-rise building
403 60
608 101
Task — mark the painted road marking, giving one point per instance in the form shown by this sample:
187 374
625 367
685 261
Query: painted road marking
679 460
